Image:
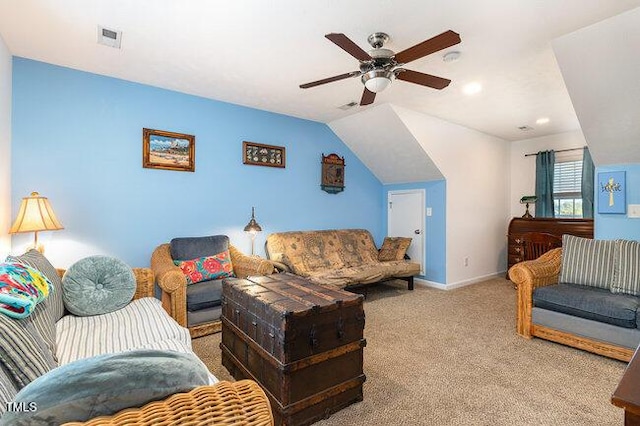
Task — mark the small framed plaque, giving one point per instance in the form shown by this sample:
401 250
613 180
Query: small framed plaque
332 173
258 154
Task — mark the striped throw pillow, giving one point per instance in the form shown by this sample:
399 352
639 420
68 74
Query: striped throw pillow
626 259
587 262
23 351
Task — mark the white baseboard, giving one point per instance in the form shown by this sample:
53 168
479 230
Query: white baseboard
427 283
452 286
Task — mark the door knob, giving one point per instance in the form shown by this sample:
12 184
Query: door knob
417 231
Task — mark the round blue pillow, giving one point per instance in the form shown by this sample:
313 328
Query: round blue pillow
97 285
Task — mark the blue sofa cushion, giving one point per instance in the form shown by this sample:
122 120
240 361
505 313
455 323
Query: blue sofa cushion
203 295
190 248
588 302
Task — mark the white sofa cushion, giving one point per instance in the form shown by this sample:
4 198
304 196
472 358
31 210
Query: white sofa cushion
142 324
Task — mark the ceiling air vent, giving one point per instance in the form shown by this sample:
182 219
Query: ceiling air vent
348 106
109 37
525 128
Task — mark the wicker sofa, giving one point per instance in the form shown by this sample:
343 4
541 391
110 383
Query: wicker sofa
338 258
596 316
51 338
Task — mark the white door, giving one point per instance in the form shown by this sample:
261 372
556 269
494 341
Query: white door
406 219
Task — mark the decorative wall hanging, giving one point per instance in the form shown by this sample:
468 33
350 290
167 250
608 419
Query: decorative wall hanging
612 190
332 173
258 154
168 150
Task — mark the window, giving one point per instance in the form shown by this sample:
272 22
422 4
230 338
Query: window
567 187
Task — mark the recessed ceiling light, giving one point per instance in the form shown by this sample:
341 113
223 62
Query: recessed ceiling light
472 88
542 120
451 56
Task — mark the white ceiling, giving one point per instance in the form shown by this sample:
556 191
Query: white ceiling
602 69
256 52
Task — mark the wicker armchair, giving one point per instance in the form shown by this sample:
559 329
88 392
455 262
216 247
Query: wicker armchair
173 285
225 403
545 271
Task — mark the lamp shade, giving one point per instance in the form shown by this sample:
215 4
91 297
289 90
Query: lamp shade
35 214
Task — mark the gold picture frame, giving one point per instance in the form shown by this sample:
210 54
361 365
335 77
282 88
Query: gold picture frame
258 154
168 150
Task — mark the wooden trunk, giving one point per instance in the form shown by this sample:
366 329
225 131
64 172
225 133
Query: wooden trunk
302 342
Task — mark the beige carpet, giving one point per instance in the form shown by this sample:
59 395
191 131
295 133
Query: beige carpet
453 358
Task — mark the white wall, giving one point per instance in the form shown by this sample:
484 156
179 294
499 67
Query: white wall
475 166
5 149
523 169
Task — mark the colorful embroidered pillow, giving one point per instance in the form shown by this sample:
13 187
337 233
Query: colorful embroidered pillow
393 248
21 288
207 268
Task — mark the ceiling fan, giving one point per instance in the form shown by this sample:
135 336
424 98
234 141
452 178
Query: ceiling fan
380 65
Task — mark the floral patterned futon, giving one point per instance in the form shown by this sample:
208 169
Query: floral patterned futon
338 258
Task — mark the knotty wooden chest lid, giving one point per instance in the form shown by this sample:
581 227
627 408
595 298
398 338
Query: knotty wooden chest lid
292 295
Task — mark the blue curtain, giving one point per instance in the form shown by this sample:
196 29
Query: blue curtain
587 184
544 183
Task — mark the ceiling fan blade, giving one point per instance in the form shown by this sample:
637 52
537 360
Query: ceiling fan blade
329 80
345 43
367 97
439 42
423 79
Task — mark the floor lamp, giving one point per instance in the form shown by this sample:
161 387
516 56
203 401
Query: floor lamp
252 228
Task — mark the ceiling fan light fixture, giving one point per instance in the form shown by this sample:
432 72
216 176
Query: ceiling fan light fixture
376 80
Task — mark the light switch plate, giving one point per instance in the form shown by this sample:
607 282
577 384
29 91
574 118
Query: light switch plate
633 210
429 211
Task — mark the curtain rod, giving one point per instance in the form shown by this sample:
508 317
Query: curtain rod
560 150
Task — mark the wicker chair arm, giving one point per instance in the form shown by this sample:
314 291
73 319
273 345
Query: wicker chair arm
528 276
539 272
244 266
172 282
225 403
169 276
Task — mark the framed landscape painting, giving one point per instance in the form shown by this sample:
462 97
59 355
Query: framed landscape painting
168 150
612 190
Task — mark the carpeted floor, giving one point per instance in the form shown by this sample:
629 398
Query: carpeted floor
438 357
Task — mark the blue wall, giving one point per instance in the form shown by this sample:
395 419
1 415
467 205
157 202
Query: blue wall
435 262
611 226
77 139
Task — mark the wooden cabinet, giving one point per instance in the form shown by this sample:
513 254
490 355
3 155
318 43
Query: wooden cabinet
520 227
